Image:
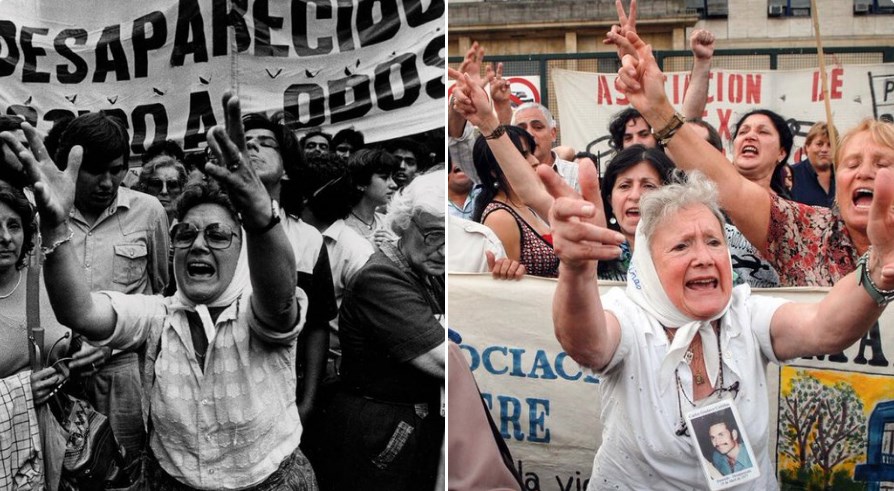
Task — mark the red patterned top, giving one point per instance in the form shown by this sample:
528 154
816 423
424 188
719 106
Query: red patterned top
537 254
808 245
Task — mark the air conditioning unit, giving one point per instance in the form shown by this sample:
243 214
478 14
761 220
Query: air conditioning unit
862 8
775 10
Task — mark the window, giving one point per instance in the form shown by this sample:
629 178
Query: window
789 8
708 8
866 7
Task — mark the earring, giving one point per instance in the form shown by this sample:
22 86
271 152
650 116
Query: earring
612 221
496 185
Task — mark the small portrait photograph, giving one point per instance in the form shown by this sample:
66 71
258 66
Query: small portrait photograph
725 453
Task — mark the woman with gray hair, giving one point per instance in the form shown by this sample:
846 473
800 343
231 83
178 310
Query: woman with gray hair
680 341
384 424
163 177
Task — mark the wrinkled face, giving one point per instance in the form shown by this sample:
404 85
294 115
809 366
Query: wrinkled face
626 193
819 151
263 153
757 148
380 189
316 145
97 185
692 261
423 244
12 237
534 122
722 438
202 272
855 178
638 131
344 150
165 185
406 172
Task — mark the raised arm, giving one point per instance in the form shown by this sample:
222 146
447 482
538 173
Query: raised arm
271 262
702 44
586 332
747 203
54 190
471 65
472 102
847 311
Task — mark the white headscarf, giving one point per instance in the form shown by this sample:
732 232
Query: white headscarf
645 289
239 283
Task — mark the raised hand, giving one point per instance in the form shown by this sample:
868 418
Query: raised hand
499 87
639 78
471 101
54 190
626 23
471 65
233 168
580 236
701 42
880 230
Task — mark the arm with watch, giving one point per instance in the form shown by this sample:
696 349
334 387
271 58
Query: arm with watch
856 301
269 252
747 203
472 102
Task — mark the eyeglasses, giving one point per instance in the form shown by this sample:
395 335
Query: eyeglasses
157 185
264 141
431 238
217 236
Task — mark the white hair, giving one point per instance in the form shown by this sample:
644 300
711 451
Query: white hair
685 190
535 105
427 193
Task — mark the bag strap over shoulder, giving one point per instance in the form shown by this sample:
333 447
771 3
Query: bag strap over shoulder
32 315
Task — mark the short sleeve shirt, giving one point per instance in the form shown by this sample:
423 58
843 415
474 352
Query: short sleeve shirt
640 448
808 246
387 318
231 425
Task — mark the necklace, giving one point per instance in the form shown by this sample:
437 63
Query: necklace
18 282
691 352
368 225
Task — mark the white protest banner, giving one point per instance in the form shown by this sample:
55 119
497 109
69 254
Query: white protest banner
835 414
163 65
588 100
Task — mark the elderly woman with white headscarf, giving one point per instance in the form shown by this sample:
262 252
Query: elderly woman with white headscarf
219 356
680 338
385 425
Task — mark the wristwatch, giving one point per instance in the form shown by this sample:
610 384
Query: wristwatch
881 297
670 129
274 219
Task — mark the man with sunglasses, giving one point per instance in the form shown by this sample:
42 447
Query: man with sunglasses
272 150
120 238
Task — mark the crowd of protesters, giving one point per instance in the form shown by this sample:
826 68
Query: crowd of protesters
265 312
685 224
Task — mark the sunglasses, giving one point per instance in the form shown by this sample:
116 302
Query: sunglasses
217 236
157 185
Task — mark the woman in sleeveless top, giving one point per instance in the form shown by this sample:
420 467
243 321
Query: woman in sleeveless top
524 234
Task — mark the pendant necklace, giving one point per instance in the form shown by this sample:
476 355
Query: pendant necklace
368 225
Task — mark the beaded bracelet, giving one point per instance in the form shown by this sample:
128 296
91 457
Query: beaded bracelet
46 251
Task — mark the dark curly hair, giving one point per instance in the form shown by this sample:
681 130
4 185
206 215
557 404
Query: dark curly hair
15 198
618 124
200 190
